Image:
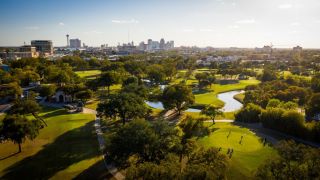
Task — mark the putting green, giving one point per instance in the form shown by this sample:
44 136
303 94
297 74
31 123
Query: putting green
247 155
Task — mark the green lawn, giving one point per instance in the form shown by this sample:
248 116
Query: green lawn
211 96
246 157
239 97
101 95
1 116
66 149
92 104
90 74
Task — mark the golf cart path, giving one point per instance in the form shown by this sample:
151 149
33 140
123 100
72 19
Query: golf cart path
110 167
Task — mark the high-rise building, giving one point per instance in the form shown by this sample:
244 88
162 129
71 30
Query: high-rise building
156 45
142 46
75 43
171 44
44 47
162 44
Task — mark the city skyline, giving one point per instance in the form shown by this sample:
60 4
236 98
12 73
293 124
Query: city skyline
217 23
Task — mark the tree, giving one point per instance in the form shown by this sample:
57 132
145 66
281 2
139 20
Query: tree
206 164
168 168
313 106
108 79
135 68
203 164
295 161
146 141
84 95
249 113
17 128
177 96
127 106
211 111
201 76
268 75
139 90
6 77
190 127
94 63
130 80
25 107
286 121
211 79
273 103
12 89
47 90
315 83
156 73
62 78
170 67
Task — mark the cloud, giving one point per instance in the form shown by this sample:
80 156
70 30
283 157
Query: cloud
131 21
317 21
285 6
295 24
32 27
206 30
61 24
246 21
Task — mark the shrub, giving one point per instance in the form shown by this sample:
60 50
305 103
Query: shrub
249 113
289 122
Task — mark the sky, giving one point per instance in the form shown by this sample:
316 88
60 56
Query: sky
217 23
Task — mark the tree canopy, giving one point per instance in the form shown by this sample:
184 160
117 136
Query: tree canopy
177 97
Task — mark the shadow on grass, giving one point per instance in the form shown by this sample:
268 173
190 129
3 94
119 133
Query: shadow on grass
4 158
55 112
269 136
96 171
201 91
69 148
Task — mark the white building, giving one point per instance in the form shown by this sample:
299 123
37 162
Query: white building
75 43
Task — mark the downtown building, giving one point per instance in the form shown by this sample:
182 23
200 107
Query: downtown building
44 47
75 43
14 53
156 45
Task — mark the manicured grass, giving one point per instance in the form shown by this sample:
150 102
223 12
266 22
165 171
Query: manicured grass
239 97
92 104
100 95
226 115
90 74
64 149
211 97
246 157
2 116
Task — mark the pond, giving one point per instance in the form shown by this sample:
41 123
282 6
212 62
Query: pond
158 105
230 103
